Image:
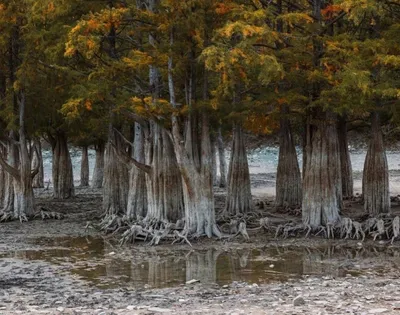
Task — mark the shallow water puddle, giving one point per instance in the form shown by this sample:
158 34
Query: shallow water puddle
105 266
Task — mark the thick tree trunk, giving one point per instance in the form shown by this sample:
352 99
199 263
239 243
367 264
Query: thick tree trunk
192 139
198 188
98 172
238 197
221 157
3 183
37 161
23 202
288 178
116 177
322 186
63 178
13 161
376 175
164 183
214 163
85 167
137 195
345 162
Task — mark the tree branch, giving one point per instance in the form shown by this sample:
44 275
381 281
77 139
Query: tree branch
35 171
9 169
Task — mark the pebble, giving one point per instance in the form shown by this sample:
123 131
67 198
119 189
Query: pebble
192 281
378 311
159 310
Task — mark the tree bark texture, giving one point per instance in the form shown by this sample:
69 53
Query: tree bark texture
37 161
238 197
22 203
116 177
221 159
164 183
137 194
322 186
3 182
214 163
376 175
345 162
288 178
197 184
13 161
85 167
98 172
63 178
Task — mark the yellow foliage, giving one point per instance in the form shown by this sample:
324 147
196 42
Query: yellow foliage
90 44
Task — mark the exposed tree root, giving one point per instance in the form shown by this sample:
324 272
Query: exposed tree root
9 216
45 214
381 227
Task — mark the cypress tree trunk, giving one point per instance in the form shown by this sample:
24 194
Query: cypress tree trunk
85 167
3 183
197 185
164 183
98 172
197 181
238 198
345 162
23 204
376 175
221 157
13 161
288 178
63 178
137 195
322 186
37 161
116 177
214 163
192 139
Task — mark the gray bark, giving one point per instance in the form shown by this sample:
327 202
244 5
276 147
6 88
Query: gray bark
322 186
98 172
85 167
22 203
164 183
376 175
221 159
37 161
116 177
214 163
63 178
13 161
137 195
197 182
345 162
288 178
238 197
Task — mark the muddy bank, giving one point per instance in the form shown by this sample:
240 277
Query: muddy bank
56 267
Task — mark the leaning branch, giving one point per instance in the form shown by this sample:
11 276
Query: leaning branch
130 160
9 169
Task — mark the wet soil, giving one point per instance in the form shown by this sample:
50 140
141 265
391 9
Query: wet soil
56 267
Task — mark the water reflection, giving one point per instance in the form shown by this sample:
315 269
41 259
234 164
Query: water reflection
100 263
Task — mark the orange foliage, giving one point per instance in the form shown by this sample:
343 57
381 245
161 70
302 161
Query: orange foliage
88 105
222 8
331 11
